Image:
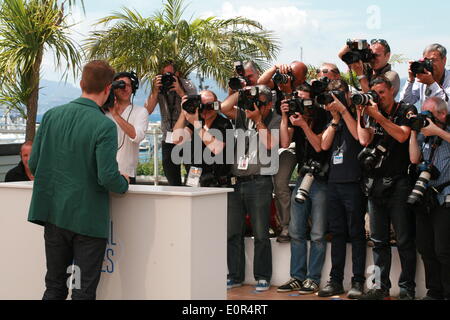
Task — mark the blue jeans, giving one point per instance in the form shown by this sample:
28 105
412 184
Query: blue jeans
315 207
382 212
253 198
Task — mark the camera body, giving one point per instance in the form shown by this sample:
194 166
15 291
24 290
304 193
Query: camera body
359 51
110 101
326 97
282 78
427 172
309 170
363 99
419 121
420 66
248 98
236 83
167 80
372 158
299 105
319 86
194 102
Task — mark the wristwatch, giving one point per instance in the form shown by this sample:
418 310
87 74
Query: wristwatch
360 77
334 125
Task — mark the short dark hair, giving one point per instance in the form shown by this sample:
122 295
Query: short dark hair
304 87
380 80
96 76
338 85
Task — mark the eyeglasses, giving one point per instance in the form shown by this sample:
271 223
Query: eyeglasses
382 42
336 71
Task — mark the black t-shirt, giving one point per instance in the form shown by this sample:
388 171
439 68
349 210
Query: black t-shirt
217 169
344 165
303 148
17 174
397 161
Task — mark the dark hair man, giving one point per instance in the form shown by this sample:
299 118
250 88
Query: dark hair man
378 66
387 170
131 121
167 90
306 131
346 206
75 168
252 183
22 171
421 86
431 147
297 75
208 126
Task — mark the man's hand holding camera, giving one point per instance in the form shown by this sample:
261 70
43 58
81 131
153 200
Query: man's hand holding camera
425 78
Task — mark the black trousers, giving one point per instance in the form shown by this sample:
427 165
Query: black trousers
63 249
346 211
433 243
172 171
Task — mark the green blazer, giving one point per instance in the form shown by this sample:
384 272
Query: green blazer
74 163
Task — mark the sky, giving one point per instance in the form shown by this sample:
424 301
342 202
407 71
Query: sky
310 30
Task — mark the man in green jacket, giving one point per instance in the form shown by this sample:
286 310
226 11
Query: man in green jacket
74 164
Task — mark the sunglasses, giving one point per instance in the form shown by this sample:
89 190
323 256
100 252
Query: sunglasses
326 71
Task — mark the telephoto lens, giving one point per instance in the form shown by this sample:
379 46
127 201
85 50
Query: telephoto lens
421 185
363 99
303 190
280 78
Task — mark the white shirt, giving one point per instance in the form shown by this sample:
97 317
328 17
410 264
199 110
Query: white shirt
128 153
413 92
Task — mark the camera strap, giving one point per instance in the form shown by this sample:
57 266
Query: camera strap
434 145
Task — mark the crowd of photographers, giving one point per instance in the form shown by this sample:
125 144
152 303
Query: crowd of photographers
356 148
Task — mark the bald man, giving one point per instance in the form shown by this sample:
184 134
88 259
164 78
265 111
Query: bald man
22 171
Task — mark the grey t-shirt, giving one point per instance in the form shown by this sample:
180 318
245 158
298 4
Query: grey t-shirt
170 106
261 161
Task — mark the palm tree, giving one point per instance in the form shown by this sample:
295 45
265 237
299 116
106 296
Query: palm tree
209 46
28 29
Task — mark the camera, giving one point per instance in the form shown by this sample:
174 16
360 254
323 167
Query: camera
422 65
236 83
309 170
110 101
299 105
281 78
419 121
372 158
248 98
363 99
359 51
319 86
427 172
194 102
167 81
326 97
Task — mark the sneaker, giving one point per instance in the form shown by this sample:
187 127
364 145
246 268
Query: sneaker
233 284
374 294
262 285
309 287
406 295
283 237
291 285
356 291
331 289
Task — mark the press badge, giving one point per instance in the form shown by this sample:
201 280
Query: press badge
338 157
193 179
243 163
169 137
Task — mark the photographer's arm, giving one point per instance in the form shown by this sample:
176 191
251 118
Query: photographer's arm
314 140
410 93
365 135
126 127
152 99
399 133
227 106
433 130
181 133
358 67
286 133
415 155
266 77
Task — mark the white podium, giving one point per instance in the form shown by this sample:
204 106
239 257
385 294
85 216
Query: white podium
165 243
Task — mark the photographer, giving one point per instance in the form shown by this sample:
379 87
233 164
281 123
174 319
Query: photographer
204 124
346 206
373 62
428 77
329 70
297 74
248 75
167 90
257 126
131 121
309 196
431 148
385 163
